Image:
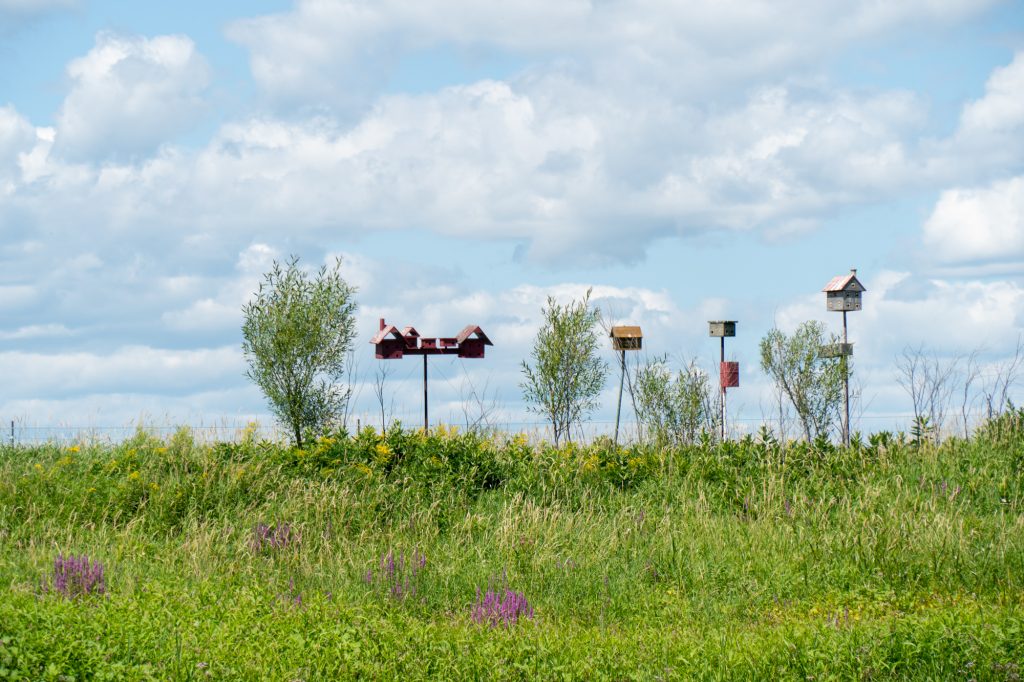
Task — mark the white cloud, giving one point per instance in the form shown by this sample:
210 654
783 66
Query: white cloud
223 311
547 162
326 52
977 224
134 369
17 137
130 94
15 296
989 140
552 161
1001 109
36 331
115 416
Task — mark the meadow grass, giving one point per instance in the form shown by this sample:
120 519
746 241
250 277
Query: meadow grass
364 556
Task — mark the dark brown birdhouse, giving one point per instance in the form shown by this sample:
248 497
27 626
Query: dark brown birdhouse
627 338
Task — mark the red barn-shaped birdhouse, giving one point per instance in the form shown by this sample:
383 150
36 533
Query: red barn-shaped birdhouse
392 344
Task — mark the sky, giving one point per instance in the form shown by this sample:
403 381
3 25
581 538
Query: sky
688 161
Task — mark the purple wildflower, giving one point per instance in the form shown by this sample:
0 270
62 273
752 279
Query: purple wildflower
278 536
77 576
496 608
399 577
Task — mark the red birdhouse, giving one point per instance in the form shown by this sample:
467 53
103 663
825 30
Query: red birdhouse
730 375
391 344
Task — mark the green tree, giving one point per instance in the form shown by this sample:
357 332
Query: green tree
567 375
674 409
295 336
812 384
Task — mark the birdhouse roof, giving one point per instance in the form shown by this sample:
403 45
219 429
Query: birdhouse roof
848 282
626 333
389 330
470 330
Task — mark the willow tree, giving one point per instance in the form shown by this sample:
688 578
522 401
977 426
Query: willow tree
296 333
566 375
812 383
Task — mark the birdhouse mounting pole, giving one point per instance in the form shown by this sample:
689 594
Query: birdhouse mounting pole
722 387
622 379
846 389
624 338
426 420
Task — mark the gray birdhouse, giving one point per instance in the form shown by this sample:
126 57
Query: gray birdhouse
842 293
722 328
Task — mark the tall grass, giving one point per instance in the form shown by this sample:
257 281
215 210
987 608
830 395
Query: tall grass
749 559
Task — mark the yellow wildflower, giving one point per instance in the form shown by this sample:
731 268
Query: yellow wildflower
134 476
382 453
73 448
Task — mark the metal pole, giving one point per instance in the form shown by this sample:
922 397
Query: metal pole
846 389
721 383
622 378
426 421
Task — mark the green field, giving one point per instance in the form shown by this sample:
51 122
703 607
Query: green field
747 560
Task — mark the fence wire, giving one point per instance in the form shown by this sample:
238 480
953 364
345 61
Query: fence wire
23 432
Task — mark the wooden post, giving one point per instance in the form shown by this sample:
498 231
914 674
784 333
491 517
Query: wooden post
846 389
622 378
721 382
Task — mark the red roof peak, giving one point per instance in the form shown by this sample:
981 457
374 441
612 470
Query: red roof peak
845 283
